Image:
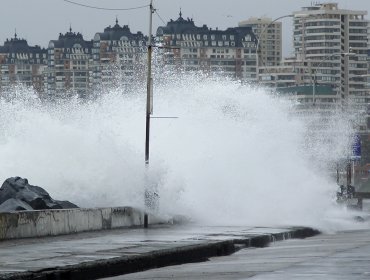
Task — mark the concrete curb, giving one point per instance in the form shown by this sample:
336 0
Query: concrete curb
182 254
39 223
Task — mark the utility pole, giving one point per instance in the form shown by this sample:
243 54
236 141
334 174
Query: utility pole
149 111
337 173
349 173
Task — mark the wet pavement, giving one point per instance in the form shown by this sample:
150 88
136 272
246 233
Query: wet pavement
112 252
340 256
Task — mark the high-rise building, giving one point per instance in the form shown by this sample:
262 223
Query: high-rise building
22 64
117 53
331 43
269 36
277 76
189 47
69 64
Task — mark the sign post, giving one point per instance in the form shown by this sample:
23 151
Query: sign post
356 156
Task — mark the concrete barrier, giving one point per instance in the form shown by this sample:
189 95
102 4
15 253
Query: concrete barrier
39 223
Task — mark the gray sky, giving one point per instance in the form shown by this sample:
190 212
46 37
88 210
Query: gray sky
39 21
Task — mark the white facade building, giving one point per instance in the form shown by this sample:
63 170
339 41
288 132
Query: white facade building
189 47
22 64
118 56
332 44
69 66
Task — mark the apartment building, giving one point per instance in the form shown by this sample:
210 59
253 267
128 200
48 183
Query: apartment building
189 47
269 35
69 66
23 64
118 56
332 44
277 76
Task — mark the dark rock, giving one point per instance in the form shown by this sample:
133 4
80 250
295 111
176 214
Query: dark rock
13 204
11 187
36 197
19 188
65 204
359 219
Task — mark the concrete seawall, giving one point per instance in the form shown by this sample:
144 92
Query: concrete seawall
40 223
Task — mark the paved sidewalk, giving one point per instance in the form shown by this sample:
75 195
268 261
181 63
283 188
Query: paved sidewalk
339 256
94 255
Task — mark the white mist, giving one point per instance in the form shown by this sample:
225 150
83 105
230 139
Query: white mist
234 154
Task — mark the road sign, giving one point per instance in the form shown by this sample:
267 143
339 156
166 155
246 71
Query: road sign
356 147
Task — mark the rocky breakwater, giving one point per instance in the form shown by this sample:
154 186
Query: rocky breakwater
16 194
29 211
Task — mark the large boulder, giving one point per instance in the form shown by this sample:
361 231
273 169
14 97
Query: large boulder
36 197
65 204
13 204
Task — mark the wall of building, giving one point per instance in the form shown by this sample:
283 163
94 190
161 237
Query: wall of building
324 37
190 47
269 36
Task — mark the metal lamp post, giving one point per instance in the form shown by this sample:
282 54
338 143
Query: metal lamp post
260 36
263 31
149 111
150 196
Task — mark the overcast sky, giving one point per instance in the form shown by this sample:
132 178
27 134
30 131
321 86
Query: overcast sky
39 21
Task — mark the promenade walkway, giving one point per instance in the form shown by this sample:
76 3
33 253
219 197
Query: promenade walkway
93 255
338 256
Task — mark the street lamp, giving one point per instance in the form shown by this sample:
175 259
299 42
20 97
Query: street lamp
260 36
149 111
318 66
264 30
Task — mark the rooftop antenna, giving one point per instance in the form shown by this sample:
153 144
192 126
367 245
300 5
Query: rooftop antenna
15 33
70 27
180 14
